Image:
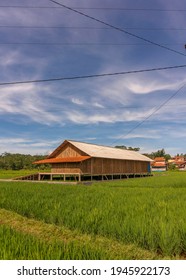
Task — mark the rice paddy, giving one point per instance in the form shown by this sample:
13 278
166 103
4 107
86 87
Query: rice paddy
144 218
19 246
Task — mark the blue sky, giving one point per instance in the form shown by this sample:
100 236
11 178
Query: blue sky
48 41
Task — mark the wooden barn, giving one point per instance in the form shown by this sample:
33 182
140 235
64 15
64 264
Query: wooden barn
83 161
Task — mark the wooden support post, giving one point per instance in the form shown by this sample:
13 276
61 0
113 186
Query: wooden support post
91 171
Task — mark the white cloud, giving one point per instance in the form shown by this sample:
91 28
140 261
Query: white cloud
13 141
140 133
98 105
77 101
106 116
26 145
27 100
142 86
9 58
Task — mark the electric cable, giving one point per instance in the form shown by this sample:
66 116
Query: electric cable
153 113
91 76
84 44
117 28
96 8
90 28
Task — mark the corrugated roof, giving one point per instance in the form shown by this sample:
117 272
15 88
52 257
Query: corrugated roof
159 159
60 160
108 152
156 164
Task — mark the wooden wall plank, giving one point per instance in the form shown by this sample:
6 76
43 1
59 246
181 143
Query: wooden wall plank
95 166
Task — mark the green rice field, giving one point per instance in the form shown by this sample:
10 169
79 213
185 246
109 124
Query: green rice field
141 218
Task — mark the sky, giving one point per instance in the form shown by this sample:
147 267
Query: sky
41 40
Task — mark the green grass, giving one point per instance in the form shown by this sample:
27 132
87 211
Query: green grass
23 238
20 246
9 174
147 212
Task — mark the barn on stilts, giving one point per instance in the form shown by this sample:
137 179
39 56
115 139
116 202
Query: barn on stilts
80 161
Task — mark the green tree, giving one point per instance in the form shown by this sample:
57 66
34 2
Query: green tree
159 153
127 148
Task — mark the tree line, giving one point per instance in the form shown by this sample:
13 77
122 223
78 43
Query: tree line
10 161
159 153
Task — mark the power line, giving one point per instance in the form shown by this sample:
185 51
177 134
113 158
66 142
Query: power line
130 9
117 28
84 44
153 113
97 8
90 28
92 76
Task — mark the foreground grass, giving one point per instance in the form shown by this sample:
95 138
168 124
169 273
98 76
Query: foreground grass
21 246
146 212
9 174
23 238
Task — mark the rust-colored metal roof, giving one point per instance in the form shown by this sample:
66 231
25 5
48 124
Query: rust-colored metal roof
156 164
61 160
179 162
159 159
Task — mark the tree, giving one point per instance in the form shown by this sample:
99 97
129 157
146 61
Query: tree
133 149
127 148
121 147
159 153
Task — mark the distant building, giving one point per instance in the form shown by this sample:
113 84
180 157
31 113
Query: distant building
182 166
178 161
159 164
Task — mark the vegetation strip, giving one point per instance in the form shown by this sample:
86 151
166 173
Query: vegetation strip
51 233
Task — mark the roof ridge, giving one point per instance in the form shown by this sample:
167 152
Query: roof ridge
95 150
99 145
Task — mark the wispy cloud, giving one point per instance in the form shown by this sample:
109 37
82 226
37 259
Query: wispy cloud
77 101
26 145
26 100
102 107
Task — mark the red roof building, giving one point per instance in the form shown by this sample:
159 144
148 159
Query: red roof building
178 161
159 164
